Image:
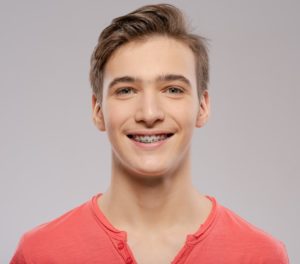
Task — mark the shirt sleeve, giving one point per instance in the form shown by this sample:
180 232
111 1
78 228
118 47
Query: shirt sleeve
277 255
18 257
284 255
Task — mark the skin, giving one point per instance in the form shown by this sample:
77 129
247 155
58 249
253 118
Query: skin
151 193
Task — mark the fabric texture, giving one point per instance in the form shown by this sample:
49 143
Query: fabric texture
84 235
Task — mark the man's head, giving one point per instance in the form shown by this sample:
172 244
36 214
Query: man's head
147 21
150 90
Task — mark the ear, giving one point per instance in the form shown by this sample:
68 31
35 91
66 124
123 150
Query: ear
97 114
204 110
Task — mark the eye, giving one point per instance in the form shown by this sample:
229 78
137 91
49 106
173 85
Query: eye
125 91
174 90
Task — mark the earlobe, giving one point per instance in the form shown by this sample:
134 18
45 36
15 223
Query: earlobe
97 114
204 110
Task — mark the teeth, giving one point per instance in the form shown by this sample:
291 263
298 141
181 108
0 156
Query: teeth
149 139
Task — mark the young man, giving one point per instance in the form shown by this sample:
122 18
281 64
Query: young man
149 78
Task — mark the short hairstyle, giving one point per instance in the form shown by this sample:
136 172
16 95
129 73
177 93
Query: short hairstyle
150 20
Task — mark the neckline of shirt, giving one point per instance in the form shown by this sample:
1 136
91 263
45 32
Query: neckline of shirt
122 235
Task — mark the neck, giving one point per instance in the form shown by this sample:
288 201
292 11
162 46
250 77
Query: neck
161 202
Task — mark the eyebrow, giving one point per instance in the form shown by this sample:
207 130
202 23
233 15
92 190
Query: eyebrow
161 78
126 79
173 77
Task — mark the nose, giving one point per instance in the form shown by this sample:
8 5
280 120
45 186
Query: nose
150 110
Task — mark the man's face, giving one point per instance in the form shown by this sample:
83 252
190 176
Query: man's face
150 105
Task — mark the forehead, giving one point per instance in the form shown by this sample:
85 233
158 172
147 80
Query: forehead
147 59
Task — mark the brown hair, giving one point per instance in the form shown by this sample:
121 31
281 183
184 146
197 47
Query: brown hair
149 20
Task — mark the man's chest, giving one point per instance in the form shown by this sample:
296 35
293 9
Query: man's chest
156 251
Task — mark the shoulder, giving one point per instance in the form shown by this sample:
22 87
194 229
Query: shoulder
240 227
56 235
65 222
245 236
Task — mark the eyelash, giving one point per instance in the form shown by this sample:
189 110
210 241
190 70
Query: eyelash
178 90
129 90
121 91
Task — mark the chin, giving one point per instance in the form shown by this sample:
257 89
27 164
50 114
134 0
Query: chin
151 172
148 178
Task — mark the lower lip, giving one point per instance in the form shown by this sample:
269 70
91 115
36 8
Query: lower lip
150 146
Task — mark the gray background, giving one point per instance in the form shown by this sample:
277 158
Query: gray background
52 158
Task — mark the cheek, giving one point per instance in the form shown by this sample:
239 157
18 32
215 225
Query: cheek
115 115
185 113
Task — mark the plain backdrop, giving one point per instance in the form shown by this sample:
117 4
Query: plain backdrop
52 158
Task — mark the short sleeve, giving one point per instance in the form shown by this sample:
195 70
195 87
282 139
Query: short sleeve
284 255
18 257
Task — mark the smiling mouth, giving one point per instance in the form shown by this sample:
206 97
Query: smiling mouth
148 139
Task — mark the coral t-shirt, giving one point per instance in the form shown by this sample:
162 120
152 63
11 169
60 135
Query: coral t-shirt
84 235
